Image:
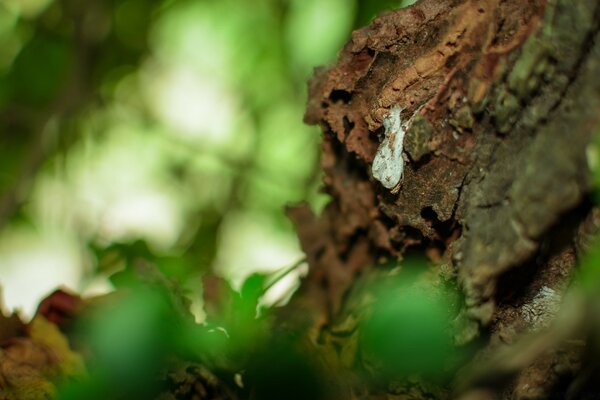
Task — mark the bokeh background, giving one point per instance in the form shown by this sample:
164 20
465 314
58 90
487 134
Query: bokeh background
169 131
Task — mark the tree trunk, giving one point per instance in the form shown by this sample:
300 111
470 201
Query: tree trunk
499 101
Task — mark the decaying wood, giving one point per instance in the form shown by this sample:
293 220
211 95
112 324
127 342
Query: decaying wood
496 186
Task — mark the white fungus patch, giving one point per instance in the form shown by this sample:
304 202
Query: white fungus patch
388 165
542 309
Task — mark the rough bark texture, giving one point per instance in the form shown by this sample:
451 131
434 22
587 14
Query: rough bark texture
506 98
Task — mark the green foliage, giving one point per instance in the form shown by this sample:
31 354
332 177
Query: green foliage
30 84
589 273
409 330
370 9
132 20
168 109
282 371
139 333
130 341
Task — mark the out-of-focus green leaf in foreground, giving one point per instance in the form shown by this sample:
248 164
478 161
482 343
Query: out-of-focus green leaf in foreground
409 331
132 339
589 273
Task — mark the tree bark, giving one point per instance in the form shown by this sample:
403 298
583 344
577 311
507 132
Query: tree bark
500 100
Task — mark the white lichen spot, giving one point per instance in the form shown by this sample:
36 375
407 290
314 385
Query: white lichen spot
388 165
542 309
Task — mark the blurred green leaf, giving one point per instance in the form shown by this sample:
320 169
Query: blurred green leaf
253 288
129 340
93 388
408 332
369 9
283 371
589 270
316 31
34 82
132 20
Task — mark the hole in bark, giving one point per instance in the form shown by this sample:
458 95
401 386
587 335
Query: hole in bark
319 253
561 386
324 282
422 161
351 243
445 230
422 248
497 36
429 214
340 95
412 233
348 125
380 133
362 60
513 284
451 61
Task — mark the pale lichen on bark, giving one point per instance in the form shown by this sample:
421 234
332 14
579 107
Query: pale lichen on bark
388 164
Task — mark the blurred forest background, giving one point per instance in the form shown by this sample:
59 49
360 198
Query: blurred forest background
167 135
167 131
